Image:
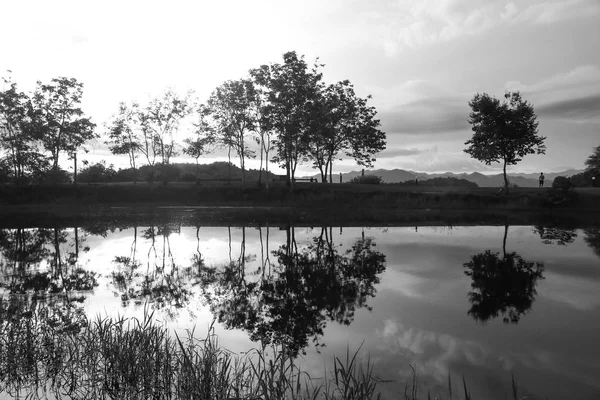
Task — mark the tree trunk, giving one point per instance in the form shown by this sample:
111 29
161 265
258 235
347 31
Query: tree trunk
229 165
75 168
267 169
504 240
260 169
505 180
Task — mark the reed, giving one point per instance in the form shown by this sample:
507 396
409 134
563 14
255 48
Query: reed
45 352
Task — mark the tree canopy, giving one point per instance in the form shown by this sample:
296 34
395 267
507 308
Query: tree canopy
593 161
504 131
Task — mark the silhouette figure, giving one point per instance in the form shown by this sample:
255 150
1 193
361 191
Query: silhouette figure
542 177
501 284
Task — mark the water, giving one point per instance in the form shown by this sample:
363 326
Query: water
484 302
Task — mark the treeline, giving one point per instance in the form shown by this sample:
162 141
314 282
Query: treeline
178 172
443 182
282 113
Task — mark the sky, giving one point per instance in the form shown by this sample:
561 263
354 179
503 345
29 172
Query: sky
420 60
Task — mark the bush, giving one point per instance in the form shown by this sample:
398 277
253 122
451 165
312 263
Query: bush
126 175
561 183
55 176
98 172
367 179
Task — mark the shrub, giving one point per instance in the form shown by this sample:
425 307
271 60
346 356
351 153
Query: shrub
98 172
367 179
562 183
55 176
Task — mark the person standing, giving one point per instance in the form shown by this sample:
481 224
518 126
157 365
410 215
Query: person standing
542 179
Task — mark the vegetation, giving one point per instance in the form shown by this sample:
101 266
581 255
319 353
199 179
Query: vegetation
592 163
503 131
562 183
367 179
50 120
44 354
440 182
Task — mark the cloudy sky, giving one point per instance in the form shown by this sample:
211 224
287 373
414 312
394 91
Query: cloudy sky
421 60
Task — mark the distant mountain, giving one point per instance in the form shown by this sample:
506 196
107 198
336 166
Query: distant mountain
497 180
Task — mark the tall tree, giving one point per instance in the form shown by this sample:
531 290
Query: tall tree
263 122
123 137
149 130
343 122
163 117
58 120
293 89
22 156
503 131
230 106
593 161
199 145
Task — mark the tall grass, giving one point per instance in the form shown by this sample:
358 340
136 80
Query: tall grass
105 358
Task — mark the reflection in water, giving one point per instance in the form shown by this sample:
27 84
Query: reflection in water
592 238
501 285
288 300
555 235
162 283
37 273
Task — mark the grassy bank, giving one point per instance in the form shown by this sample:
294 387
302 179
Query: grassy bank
45 354
313 195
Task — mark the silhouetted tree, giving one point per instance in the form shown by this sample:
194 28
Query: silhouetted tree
503 131
199 145
292 90
57 119
342 122
501 284
22 157
230 106
123 135
592 163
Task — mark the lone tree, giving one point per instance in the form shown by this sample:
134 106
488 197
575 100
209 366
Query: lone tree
504 131
592 163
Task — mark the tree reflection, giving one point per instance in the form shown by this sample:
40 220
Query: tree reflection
501 284
43 261
163 283
41 271
592 238
555 235
290 301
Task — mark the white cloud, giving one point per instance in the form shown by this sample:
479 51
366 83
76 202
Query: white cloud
410 24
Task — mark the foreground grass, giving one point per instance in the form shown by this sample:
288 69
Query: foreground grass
56 354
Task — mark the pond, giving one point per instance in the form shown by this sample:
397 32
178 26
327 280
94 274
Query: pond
481 302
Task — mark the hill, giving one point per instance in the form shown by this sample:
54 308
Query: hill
497 180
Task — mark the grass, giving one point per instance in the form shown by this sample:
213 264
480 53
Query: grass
46 354
310 195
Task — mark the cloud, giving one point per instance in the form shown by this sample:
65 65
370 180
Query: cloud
581 109
579 77
429 115
410 24
548 12
389 153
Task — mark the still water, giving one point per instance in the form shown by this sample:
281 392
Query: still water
483 302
